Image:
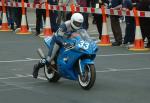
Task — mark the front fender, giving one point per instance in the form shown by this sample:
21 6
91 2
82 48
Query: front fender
87 61
83 63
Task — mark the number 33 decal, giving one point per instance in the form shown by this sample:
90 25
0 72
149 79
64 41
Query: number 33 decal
83 44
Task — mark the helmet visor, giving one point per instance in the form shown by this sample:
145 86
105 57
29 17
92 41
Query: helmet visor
77 24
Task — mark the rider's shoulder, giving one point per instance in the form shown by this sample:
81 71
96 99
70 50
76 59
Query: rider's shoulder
68 22
63 27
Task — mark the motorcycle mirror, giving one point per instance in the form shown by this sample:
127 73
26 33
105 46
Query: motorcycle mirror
40 52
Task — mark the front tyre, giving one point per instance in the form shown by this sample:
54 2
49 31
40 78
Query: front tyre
88 79
51 75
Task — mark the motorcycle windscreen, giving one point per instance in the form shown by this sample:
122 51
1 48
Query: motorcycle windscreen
47 41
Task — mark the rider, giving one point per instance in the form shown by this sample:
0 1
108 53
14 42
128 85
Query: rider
65 30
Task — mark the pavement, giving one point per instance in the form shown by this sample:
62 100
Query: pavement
122 76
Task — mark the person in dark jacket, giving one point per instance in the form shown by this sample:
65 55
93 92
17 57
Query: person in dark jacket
115 24
130 24
18 14
83 3
0 15
65 15
53 15
10 15
144 5
39 14
98 17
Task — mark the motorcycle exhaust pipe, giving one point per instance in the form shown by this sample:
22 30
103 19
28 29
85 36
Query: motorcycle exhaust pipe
40 52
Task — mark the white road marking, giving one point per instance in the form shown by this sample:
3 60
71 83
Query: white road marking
109 70
105 55
29 58
10 89
39 77
102 71
21 60
42 78
19 75
15 77
118 70
124 54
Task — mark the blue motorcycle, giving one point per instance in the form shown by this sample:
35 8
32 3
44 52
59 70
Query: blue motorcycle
75 62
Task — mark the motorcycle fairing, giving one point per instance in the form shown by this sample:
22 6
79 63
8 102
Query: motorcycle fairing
65 63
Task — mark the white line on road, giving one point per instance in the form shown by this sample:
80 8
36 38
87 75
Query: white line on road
109 70
42 78
15 77
105 55
10 89
21 60
102 71
124 54
117 70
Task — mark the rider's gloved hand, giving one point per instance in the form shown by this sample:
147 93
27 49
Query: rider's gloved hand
44 61
68 33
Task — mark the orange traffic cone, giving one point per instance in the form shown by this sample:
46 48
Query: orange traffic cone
47 28
24 28
72 6
4 26
105 40
138 43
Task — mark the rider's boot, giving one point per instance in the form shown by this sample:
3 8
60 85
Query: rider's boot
36 69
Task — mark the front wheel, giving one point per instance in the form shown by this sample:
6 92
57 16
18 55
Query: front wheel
87 80
50 74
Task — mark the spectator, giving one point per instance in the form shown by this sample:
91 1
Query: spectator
39 14
66 15
115 24
10 15
53 15
0 15
130 24
69 3
144 5
61 14
98 17
83 3
18 14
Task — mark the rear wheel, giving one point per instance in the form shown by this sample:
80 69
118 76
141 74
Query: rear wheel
50 74
88 79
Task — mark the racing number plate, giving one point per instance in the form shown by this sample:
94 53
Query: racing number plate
83 44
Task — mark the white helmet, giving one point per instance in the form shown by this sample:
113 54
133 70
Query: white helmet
76 20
